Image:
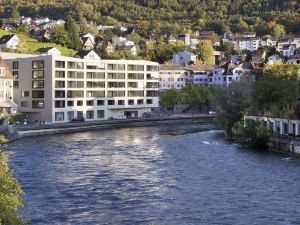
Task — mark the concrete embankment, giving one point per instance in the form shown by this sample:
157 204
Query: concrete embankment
38 130
284 145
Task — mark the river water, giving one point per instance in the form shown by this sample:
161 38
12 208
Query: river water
153 175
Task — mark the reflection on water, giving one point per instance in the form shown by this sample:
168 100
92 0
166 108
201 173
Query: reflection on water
154 175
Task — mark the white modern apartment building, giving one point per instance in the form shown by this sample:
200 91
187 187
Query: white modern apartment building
56 89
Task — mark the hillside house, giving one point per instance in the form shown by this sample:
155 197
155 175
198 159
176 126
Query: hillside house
9 41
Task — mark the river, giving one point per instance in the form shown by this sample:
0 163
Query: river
154 175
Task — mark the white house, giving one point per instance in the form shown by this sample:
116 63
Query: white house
185 38
118 41
184 58
49 51
288 50
267 40
86 35
194 43
246 43
9 41
88 54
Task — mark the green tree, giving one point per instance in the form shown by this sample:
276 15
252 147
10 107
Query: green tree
23 29
169 98
59 35
277 31
230 102
10 192
14 14
73 37
205 52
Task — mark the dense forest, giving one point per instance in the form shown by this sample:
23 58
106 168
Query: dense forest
169 16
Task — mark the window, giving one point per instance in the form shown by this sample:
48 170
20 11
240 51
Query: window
25 94
59 64
79 103
152 68
75 75
90 114
60 104
149 101
89 103
75 94
135 93
75 65
100 114
38 104
59 116
60 94
59 84
100 102
152 93
37 74
136 76
16 74
95 94
116 67
118 76
70 115
24 104
79 114
38 84
116 84
130 102
95 75
116 94
15 65
39 64
111 102
152 85
140 101
70 103
99 84
75 84
59 74
135 68
121 102
37 94
16 84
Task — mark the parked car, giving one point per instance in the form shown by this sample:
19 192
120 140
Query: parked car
120 117
212 113
78 119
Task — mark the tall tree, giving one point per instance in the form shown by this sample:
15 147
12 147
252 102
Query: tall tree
73 37
205 52
14 14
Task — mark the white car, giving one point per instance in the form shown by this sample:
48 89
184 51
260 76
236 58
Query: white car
120 117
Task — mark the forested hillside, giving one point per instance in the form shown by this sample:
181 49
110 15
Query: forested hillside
170 16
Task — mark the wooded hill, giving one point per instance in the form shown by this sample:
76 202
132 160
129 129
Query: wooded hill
169 16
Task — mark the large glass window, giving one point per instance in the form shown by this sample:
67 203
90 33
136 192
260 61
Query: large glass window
116 67
116 94
116 84
111 102
95 94
75 84
37 94
90 103
59 116
59 84
135 93
75 75
96 84
38 104
118 76
135 67
152 68
37 84
37 74
59 94
95 75
59 104
25 94
59 64
100 102
75 94
100 114
136 76
90 114
70 115
59 74
38 64
75 65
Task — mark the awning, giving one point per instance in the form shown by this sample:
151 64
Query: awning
8 104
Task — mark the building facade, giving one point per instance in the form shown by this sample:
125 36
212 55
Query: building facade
56 89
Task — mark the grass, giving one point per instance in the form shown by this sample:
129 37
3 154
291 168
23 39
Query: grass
30 45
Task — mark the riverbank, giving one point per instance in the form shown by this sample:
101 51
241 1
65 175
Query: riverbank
39 130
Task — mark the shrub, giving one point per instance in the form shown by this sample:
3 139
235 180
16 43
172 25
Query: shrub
252 134
14 118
